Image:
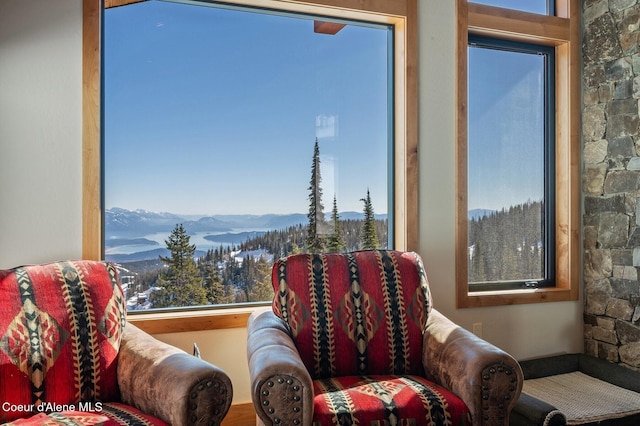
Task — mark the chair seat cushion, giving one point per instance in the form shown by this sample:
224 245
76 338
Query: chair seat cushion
386 400
108 414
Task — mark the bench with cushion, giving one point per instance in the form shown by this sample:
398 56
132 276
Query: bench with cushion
577 389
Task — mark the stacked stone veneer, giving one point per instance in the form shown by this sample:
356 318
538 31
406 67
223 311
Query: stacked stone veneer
611 179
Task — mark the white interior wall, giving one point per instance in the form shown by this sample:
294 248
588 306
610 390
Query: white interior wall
41 175
40 130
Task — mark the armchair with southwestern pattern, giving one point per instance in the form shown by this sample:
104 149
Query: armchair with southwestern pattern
352 339
68 356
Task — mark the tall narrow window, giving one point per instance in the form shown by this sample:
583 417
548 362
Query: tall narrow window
511 169
228 134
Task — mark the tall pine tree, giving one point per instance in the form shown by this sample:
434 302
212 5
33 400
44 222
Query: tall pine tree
369 235
181 283
336 240
316 230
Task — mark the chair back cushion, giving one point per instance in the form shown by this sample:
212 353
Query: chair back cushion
60 331
355 313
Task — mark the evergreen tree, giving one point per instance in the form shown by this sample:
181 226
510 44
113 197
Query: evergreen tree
233 276
316 229
260 287
181 283
369 236
217 292
336 240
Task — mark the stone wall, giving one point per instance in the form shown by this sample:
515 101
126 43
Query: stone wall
611 179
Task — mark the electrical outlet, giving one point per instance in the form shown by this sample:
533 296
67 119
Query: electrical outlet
477 329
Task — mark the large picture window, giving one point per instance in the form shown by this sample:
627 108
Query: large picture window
233 136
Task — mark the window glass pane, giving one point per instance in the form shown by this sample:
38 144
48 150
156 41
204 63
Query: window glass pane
542 7
506 166
212 117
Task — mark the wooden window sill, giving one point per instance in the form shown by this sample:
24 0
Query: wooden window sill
193 320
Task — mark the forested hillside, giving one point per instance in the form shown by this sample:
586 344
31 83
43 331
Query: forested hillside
503 246
507 245
242 273
284 242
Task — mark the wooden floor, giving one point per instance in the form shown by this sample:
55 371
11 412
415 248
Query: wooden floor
240 415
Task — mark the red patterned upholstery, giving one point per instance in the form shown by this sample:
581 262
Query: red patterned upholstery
374 400
61 326
354 303
357 321
109 414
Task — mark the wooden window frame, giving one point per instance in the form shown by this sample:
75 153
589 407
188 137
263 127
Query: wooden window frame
402 14
562 32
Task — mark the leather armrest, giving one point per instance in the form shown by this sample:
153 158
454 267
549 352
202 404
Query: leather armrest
164 381
486 378
281 387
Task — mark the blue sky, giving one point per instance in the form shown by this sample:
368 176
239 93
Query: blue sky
534 6
210 111
505 148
